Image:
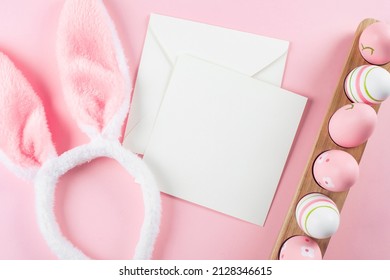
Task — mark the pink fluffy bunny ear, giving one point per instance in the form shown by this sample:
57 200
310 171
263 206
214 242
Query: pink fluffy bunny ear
25 141
97 89
93 68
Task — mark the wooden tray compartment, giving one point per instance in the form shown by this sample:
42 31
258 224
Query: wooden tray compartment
323 143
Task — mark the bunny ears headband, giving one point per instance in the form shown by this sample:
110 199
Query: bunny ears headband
97 89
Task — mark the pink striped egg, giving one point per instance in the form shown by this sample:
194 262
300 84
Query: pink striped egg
367 84
336 170
317 215
300 248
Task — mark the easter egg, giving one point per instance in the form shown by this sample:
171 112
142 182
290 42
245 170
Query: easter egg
335 170
300 248
317 215
374 43
367 84
352 124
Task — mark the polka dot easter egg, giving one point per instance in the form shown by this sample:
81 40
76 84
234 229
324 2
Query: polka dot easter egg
300 248
352 124
367 84
374 43
336 170
317 215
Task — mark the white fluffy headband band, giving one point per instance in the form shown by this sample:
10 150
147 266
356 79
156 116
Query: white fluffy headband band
97 89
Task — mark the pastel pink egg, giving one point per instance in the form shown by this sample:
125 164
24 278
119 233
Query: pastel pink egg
300 248
374 43
317 215
336 170
352 125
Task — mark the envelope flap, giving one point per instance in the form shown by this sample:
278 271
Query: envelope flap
247 53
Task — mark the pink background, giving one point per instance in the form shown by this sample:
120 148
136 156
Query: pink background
98 205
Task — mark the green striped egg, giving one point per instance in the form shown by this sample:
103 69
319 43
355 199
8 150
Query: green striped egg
317 215
367 84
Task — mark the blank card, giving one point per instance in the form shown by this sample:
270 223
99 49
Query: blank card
221 138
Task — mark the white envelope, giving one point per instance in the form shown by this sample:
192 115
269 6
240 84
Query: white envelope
221 138
167 38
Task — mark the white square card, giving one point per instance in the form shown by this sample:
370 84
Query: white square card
221 138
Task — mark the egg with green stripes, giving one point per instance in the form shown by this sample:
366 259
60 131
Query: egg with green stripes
317 215
367 84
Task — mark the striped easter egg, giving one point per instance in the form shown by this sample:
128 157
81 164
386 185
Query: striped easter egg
367 84
317 215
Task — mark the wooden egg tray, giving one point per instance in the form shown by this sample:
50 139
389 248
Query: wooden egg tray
324 142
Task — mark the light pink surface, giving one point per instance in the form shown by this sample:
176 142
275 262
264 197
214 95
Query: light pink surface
98 205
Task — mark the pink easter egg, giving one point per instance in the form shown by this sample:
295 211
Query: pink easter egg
317 215
367 84
336 170
374 43
352 124
300 248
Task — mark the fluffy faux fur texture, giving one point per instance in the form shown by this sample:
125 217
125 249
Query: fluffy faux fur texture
93 68
21 116
51 170
97 88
